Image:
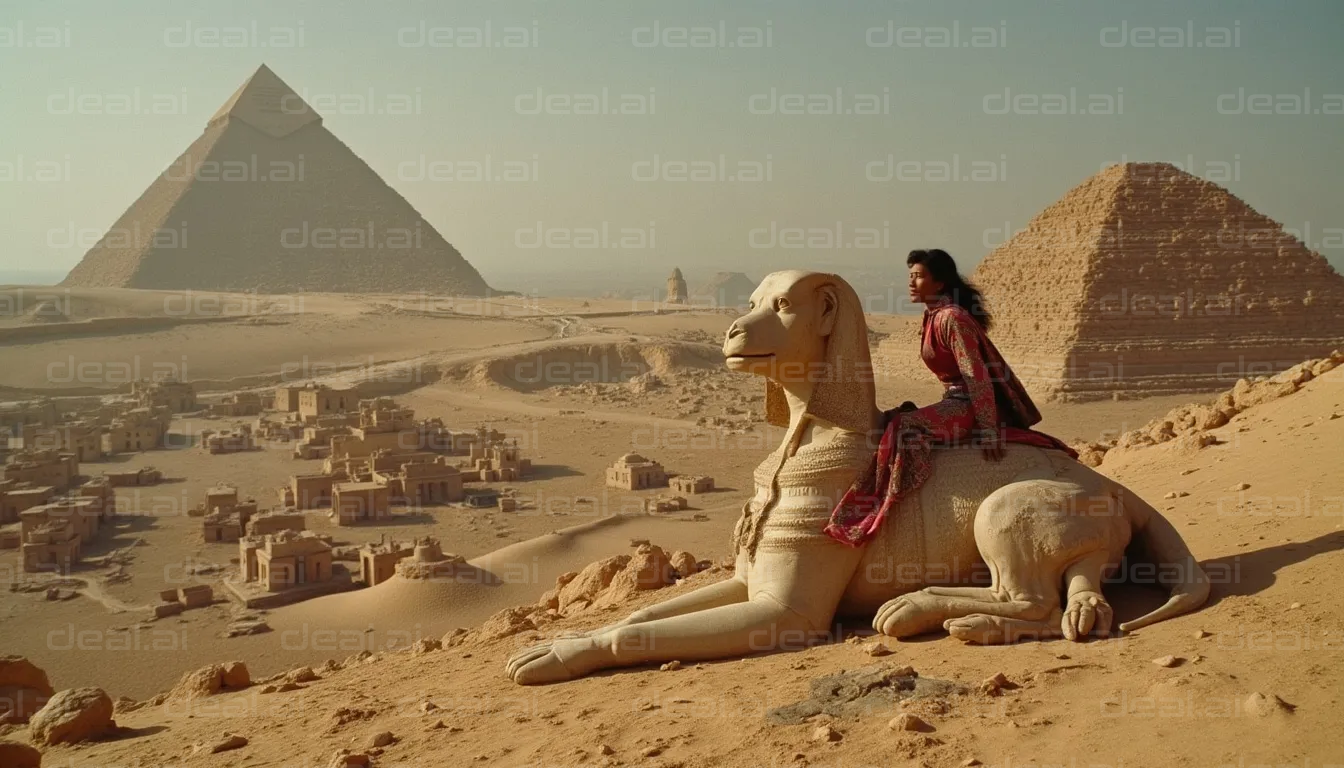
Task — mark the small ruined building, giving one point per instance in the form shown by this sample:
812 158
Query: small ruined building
82 438
286 398
237 404
493 460
52 535
15 497
665 504
378 562
285 567
676 287
138 429
691 484
321 400
420 483
355 503
229 440
275 521
43 467
135 477
309 491
228 519
481 498
14 416
428 561
177 396
633 472
174 601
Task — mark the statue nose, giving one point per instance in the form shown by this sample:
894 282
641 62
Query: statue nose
735 330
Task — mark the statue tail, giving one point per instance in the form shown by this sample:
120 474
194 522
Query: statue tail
1168 549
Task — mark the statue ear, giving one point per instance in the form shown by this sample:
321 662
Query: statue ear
828 309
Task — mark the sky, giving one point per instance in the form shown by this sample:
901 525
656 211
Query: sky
737 136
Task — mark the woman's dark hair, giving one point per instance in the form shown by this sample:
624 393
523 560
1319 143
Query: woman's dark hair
942 268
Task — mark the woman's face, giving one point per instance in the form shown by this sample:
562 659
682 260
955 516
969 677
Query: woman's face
922 285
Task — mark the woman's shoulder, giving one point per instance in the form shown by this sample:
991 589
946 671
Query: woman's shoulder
951 316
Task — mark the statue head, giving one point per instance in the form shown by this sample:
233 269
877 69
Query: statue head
805 332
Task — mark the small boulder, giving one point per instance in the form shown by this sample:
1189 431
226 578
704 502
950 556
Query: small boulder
234 675
16 755
381 739
879 649
908 722
76 714
671 666
1168 661
230 741
825 733
301 675
684 563
426 645
24 689
346 759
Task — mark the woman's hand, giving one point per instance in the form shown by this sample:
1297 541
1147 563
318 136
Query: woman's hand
994 452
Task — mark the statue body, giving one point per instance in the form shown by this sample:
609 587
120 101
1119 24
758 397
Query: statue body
1037 523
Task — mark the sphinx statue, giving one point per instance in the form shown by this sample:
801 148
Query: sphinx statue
1039 523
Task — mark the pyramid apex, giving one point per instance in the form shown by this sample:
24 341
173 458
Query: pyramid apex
267 103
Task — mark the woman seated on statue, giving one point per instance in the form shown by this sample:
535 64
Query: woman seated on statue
983 402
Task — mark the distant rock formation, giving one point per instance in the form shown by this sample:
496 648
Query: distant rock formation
676 287
268 200
1146 280
725 289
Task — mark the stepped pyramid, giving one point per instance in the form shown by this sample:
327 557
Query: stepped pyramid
1147 280
267 199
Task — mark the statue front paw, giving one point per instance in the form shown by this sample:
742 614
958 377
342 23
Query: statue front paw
556 661
911 614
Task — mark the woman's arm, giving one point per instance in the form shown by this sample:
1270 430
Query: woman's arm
962 338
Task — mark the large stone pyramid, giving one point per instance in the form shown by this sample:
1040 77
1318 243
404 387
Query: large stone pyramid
1147 280
268 200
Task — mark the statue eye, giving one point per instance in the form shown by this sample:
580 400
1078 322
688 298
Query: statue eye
751 305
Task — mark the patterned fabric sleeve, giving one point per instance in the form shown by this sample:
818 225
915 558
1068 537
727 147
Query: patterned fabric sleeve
959 333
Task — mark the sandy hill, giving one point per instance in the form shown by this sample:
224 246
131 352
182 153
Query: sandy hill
1253 678
268 200
1145 278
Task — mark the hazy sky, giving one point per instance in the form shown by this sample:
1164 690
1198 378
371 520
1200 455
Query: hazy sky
70 162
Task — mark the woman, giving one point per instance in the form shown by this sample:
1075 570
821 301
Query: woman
983 405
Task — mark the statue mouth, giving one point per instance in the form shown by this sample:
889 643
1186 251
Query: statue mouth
747 357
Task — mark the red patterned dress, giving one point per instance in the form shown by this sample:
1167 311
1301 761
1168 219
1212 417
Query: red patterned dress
983 406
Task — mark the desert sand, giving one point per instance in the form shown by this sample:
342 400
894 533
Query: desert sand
1273 626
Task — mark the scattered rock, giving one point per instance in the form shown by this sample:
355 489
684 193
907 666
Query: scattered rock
1169 661
1264 705
825 733
381 739
1294 606
347 759
684 563
1240 487
16 755
301 675
235 675
970 762
247 627
671 666
653 751
24 689
879 649
1201 634
908 722
605 750
426 645
230 741
996 684
72 715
